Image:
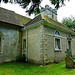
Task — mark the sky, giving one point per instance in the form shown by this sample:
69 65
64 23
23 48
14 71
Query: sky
65 11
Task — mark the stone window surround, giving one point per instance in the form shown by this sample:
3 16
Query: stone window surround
23 44
57 37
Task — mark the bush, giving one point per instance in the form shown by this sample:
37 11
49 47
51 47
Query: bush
21 58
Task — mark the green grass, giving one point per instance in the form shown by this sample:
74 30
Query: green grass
17 68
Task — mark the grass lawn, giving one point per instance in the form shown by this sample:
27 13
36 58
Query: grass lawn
17 68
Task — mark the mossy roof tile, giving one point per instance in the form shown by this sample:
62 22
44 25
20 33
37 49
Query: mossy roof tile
36 19
48 19
12 18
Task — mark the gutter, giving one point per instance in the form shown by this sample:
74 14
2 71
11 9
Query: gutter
51 25
12 24
26 45
54 26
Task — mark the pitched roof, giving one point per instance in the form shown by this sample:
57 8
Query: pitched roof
36 19
55 22
12 18
41 17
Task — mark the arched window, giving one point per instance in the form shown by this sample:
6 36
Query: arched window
57 33
69 36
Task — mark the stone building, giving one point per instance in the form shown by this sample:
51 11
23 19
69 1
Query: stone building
47 39
42 39
10 34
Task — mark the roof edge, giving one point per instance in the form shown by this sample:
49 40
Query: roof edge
33 25
54 26
12 24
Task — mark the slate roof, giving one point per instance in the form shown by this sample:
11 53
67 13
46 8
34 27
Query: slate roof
55 22
12 18
36 19
48 19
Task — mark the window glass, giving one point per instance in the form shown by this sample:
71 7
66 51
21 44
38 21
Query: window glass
69 36
57 43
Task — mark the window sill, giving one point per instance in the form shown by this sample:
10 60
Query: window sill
57 50
57 36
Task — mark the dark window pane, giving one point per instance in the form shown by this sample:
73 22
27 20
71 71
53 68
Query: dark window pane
57 43
24 44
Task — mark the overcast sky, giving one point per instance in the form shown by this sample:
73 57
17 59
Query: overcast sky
65 11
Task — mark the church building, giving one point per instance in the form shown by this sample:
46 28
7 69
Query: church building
42 39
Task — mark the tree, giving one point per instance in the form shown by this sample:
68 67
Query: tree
69 22
35 4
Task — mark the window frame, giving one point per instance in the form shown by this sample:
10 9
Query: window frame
57 45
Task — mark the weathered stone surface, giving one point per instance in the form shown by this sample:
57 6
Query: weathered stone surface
11 42
48 11
69 61
34 45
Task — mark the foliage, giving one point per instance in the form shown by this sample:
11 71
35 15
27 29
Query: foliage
21 58
35 4
18 68
58 3
69 22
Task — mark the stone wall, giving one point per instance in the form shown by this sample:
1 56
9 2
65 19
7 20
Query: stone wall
52 55
73 46
41 45
11 42
34 36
